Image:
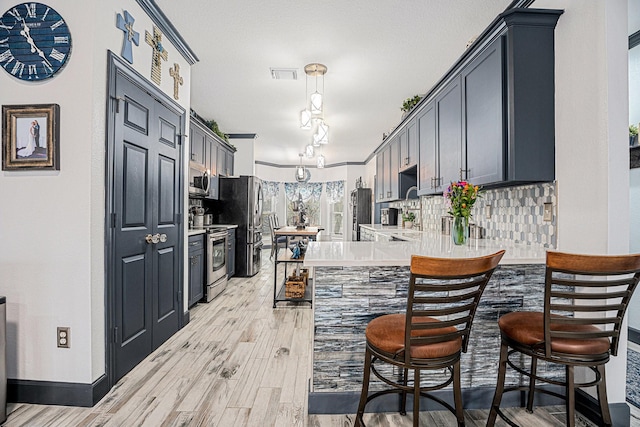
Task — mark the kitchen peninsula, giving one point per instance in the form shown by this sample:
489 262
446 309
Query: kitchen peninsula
358 281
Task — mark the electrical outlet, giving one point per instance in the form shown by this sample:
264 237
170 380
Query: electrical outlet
548 212
64 337
487 211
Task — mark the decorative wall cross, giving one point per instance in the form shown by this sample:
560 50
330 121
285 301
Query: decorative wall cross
159 52
177 79
130 35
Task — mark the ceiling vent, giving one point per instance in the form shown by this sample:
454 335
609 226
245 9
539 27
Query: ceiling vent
284 73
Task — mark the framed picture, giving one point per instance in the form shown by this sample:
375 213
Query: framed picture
30 135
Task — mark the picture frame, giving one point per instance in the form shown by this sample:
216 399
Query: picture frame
30 137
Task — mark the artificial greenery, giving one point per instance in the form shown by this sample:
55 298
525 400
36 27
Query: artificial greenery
633 130
408 216
211 124
409 103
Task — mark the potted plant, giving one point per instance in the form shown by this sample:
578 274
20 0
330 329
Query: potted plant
211 124
409 103
408 218
633 135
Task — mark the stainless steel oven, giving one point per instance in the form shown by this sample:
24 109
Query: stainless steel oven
216 262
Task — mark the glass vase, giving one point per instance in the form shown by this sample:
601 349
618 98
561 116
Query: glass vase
460 230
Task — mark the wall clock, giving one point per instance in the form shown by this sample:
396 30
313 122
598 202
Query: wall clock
35 42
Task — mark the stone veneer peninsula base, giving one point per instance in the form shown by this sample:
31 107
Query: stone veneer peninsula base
363 284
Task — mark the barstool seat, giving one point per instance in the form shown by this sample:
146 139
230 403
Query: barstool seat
386 333
527 328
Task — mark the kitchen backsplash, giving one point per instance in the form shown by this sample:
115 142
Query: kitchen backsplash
515 213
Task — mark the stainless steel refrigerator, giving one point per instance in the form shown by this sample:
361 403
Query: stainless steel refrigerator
240 202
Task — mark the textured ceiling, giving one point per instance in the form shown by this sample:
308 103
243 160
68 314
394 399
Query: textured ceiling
378 53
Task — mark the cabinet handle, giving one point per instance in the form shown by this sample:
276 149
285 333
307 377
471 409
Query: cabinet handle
433 182
193 156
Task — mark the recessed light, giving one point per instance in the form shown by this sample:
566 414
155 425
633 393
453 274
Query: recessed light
284 73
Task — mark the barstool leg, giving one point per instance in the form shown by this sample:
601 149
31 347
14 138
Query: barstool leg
403 395
457 394
602 397
532 383
365 388
497 397
416 397
571 397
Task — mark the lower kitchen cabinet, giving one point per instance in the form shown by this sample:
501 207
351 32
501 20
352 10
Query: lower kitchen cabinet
196 268
231 252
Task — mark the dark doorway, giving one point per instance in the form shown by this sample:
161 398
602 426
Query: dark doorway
144 231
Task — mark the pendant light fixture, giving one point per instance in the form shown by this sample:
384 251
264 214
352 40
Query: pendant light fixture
309 151
305 119
320 161
322 134
315 70
302 173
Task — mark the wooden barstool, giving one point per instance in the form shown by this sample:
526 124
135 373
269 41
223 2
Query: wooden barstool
575 286
442 300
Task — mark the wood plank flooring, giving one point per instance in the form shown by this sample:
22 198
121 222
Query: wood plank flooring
239 362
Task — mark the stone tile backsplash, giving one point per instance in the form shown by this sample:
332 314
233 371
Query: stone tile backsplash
515 213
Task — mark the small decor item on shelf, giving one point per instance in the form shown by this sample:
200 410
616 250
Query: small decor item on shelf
461 196
408 218
633 135
409 103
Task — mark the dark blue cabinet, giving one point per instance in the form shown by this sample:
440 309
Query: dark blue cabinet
196 268
231 252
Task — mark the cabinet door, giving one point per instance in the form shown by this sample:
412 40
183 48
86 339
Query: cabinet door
196 269
428 150
229 163
197 145
394 169
212 156
231 252
380 176
412 144
449 131
404 149
222 161
483 95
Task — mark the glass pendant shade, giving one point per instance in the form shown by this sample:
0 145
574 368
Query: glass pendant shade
323 133
305 119
316 103
320 161
309 151
300 173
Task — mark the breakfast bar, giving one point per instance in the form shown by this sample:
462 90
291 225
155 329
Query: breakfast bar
358 281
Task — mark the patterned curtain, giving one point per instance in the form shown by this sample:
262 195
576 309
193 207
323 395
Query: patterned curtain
308 190
335 191
270 188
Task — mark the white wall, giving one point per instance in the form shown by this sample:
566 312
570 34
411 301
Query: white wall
244 158
592 163
52 223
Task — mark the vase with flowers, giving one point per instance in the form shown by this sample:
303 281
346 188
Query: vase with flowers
461 197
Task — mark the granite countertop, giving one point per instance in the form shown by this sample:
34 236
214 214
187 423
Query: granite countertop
398 253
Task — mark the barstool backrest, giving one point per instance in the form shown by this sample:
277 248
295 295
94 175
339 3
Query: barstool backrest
447 289
587 290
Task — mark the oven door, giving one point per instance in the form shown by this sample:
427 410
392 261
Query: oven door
217 257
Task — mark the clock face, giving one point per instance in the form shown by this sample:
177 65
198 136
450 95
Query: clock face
35 42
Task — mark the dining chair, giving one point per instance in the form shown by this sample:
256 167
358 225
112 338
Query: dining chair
585 300
276 242
431 335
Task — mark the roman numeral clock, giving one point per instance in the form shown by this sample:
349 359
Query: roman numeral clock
35 42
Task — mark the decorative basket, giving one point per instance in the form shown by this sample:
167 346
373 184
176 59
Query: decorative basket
294 287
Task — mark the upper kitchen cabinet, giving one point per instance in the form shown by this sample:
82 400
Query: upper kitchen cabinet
440 135
225 160
387 168
484 117
408 141
197 145
497 101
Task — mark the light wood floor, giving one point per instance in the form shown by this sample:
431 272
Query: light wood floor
238 362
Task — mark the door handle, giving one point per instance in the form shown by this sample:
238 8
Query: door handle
163 238
152 239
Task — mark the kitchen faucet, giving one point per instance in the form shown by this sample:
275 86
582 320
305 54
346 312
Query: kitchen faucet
406 196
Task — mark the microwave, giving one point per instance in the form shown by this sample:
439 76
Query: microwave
199 179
